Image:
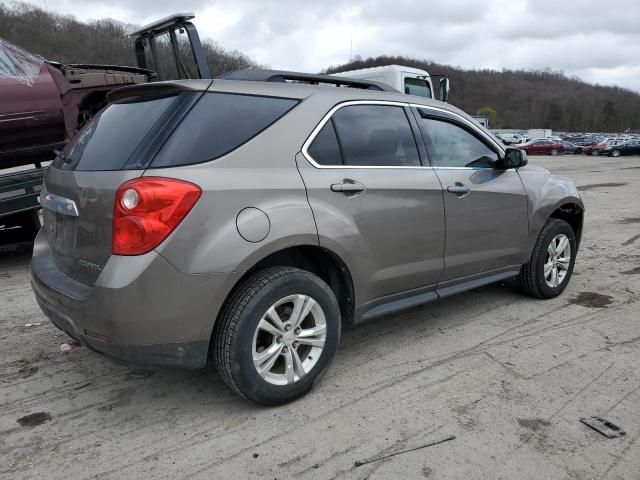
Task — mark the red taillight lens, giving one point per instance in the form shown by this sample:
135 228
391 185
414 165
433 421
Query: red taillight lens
147 210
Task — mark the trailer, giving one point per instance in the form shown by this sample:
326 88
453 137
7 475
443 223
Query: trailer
44 104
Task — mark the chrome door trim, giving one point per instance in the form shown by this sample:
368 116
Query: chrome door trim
327 117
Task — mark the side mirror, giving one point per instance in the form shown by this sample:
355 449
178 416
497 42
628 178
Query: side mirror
444 89
515 158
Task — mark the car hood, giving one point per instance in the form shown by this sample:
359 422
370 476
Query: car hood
533 168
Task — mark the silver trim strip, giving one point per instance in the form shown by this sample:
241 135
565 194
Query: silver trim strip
58 204
325 119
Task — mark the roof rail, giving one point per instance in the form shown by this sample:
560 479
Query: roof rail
282 76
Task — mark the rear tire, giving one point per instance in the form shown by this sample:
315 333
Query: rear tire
536 277
246 332
554 152
615 153
594 153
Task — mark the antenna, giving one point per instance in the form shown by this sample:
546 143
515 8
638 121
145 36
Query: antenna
46 7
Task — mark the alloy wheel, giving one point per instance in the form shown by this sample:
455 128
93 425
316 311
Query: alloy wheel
557 260
289 339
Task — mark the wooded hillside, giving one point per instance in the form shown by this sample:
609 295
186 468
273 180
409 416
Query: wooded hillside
520 99
64 39
529 99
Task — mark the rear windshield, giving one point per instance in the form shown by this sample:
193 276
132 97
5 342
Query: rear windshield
110 138
218 124
117 137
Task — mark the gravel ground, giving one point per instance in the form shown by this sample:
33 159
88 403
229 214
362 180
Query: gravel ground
507 375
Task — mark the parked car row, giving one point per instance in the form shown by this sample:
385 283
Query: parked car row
543 146
613 146
630 148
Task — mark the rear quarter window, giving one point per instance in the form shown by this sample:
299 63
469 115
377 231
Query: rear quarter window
218 124
325 149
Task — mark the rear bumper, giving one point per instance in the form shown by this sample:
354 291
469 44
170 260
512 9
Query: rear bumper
189 354
141 310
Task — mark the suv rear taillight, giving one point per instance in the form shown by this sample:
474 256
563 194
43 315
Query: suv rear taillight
147 210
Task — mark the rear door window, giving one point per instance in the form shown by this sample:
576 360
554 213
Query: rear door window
375 135
218 124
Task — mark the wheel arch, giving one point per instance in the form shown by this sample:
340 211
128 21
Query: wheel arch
573 214
552 199
315 259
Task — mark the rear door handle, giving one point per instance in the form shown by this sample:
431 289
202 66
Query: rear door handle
458 189
347 186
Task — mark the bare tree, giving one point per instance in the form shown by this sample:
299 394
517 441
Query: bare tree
64 39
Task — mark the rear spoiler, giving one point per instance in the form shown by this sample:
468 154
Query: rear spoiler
158 89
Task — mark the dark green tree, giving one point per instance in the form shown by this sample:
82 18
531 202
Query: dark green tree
491 114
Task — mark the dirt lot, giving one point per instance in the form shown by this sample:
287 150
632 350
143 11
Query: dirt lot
507 375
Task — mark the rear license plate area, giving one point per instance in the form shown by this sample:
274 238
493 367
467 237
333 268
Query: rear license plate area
61 230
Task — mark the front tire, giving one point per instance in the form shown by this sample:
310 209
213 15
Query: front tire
615 153
554 152
276 335
548 272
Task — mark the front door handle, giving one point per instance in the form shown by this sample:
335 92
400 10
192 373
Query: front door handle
347 186
458 189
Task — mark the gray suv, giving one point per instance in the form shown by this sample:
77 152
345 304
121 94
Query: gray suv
248 221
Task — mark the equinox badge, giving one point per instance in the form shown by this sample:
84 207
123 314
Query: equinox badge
90 265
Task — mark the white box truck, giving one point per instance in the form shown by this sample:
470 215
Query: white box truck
539 133
404 79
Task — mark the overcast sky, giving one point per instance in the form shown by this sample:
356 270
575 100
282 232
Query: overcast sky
595 40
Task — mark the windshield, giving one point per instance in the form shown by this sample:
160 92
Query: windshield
17 64
417 86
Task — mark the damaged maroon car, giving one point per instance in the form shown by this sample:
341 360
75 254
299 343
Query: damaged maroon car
42 105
